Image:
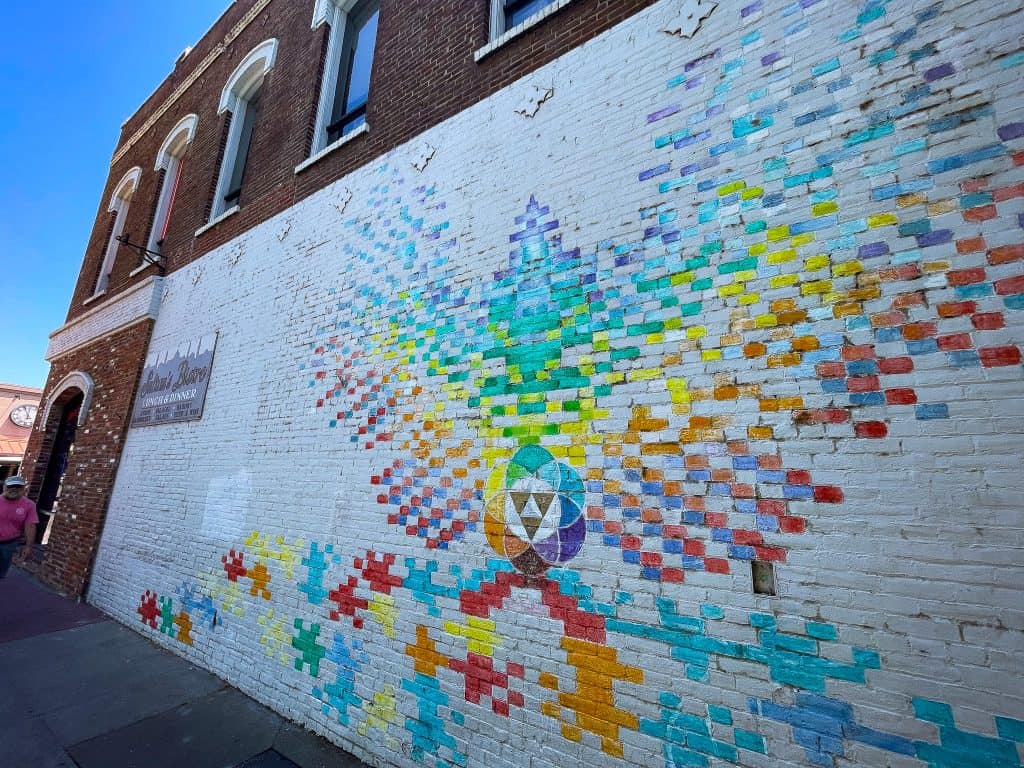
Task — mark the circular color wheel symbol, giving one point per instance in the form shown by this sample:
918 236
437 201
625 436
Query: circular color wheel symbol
534 515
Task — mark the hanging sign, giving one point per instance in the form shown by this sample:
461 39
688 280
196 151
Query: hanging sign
174 382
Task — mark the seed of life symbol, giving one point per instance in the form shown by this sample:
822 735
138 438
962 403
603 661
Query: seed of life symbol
534 513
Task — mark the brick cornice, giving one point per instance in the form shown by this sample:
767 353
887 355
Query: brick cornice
187 83
140 302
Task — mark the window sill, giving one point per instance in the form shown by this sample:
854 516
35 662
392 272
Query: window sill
95 297
520 28
140 269
214 222
364 128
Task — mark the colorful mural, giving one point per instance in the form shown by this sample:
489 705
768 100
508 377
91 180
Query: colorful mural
626 400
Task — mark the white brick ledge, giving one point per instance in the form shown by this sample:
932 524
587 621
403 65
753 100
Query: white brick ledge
140 302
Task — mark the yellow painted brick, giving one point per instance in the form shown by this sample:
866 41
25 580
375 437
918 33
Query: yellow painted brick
679 278
823 209
781 257
730 290
757 249
728 189
783 281
745 275
800 240
696 332
814 263
882 220
748 298
778 233
816 286
942 206
751 193
759 433
711 354
915 198
766 321
936 266
847 268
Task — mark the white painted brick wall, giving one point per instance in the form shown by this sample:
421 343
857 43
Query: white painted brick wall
921 562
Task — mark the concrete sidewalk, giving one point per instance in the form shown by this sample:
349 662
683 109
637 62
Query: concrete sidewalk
78 690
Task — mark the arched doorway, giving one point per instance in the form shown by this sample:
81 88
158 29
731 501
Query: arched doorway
67 418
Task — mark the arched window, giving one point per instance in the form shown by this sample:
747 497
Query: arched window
241 100
169 164
349 63
118 209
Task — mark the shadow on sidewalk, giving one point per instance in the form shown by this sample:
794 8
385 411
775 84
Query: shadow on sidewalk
28 609
78 690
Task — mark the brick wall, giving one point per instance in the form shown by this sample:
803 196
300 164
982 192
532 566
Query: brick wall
500 424
114 362
424 72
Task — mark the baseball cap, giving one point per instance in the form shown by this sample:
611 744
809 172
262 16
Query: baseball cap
14 480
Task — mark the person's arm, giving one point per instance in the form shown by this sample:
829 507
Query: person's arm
30 540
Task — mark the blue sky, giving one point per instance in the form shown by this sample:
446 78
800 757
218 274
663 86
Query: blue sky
69 78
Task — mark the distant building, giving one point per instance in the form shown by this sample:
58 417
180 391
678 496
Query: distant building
18 407
550 383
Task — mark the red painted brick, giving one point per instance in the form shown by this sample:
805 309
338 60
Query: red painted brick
903 396
871 429
828 494
1008 193
862 384
830 370
1010 286
858 352
993 357
988 321
792 524
893 365
716 565
955 341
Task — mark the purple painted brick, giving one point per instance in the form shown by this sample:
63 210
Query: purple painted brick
936 73
771 58
937 237
871 250
752 8
663 113
1011 131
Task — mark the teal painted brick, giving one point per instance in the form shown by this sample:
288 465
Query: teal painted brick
750 741
821 631
1010 729
933 711
721 715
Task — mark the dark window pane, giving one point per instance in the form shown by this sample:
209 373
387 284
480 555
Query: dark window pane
355 68
252 109
518 11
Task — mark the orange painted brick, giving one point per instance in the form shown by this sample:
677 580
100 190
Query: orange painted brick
847 309
970 245
1008 193
966 276
726 393
806 343
957 308
1004 254
754 349
918 331
981 213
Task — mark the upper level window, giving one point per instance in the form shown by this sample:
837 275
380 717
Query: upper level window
169 163
347 70
118 210
506 14
241 100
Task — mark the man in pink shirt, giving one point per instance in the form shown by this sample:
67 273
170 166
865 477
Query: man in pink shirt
18 522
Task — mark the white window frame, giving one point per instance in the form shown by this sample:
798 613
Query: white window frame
244 82
168 159
119 204
499 35
335 13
